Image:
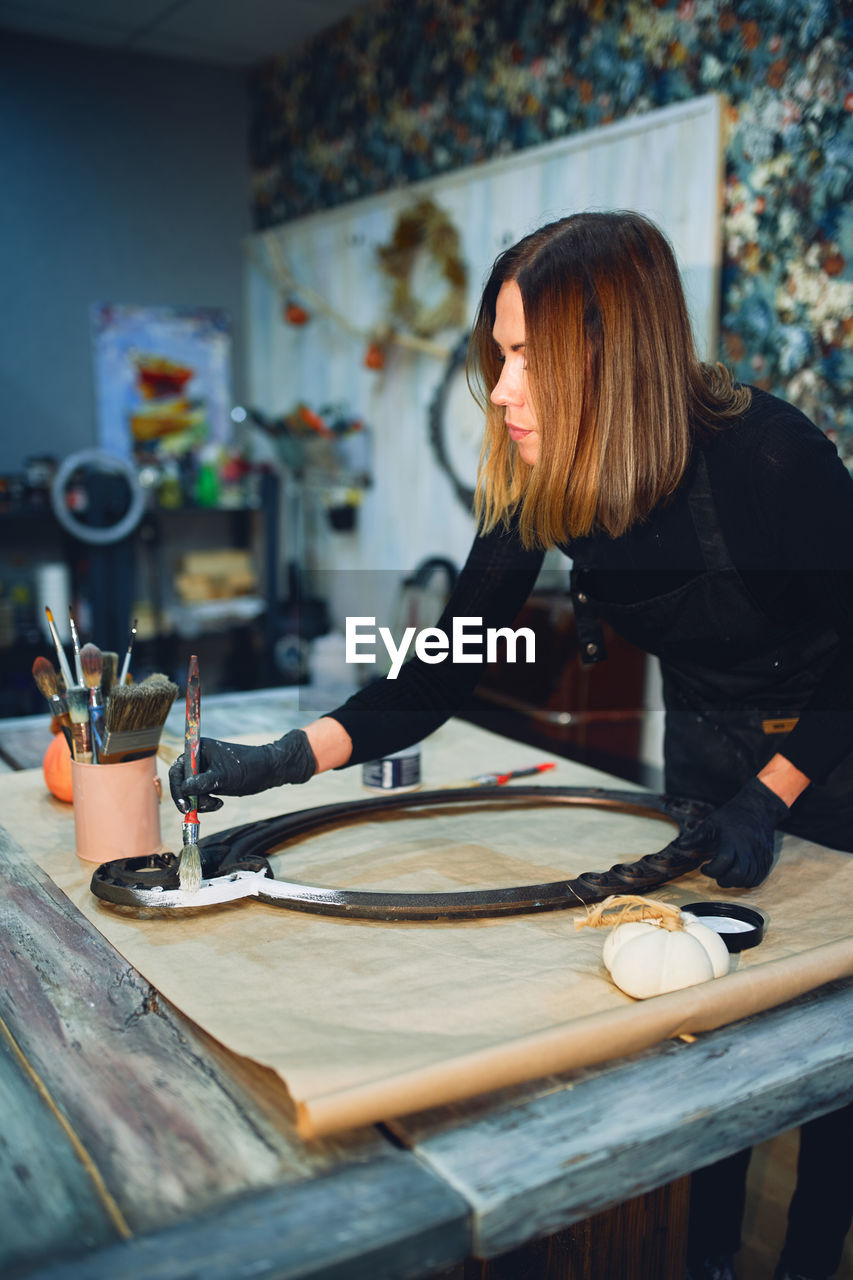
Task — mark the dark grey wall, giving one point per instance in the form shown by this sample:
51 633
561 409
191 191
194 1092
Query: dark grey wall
123 178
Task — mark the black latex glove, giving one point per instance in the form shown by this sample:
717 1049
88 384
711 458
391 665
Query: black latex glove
233 769
740 835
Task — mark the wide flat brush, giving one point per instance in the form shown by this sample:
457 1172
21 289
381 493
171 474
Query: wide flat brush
60 652
92 665
134 719
189 867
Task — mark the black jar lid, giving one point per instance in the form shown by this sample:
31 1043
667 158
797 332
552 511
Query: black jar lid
745 930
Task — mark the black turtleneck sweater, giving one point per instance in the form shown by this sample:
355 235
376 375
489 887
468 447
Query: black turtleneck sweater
784 501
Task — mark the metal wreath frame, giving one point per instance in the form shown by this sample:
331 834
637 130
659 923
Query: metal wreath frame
235 866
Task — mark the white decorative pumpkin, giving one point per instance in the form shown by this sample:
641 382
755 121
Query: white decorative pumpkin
717 950
646 960
654 947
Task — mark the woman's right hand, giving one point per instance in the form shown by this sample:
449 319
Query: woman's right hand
740 834
235 769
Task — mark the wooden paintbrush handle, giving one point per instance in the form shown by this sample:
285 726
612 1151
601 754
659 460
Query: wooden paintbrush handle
192 728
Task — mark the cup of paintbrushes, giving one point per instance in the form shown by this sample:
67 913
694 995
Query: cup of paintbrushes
117 801
116 809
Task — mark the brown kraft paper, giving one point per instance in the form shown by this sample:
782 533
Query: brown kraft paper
366 1020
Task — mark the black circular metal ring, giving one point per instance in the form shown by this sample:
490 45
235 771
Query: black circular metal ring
245 849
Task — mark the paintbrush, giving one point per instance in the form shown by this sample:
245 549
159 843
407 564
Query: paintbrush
109 672
44 674
92 665
134 718
60 652
125 666
500 779
47 680
75 640
77 699
189 866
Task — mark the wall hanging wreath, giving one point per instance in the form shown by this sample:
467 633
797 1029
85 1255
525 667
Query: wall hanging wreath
424 228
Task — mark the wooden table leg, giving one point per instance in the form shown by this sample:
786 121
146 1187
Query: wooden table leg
643 1237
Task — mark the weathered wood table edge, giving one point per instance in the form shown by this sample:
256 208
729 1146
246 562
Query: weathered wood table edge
537 1158
136 1146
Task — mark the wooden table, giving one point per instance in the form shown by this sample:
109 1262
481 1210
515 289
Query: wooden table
134 1146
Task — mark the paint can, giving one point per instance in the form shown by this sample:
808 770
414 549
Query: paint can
399 771
739 926
116 809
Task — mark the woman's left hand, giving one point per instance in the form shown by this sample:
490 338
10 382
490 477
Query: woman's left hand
740 834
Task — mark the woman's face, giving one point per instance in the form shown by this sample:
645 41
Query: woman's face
511 389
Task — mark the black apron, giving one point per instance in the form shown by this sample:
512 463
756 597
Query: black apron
733 679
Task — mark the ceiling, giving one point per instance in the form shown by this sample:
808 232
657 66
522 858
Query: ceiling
236 33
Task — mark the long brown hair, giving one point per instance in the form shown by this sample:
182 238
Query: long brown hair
613 376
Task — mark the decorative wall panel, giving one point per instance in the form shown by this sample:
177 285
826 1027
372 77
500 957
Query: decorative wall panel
406 89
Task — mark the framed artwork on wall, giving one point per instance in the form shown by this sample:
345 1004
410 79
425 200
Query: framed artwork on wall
162 378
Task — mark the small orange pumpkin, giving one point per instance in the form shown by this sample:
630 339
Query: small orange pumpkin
56 767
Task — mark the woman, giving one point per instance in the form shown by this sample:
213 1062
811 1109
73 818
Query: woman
711 524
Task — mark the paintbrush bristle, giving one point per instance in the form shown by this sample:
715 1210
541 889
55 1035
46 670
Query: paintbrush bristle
78 704
109 671
45 677
189 868
139 706
92 664
77 700
126 709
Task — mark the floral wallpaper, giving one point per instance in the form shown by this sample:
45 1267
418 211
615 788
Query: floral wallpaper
407 89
